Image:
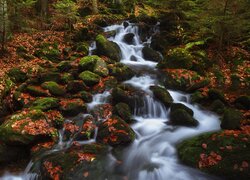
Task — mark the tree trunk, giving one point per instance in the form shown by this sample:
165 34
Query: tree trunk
3 23
42 7
94 6
222 25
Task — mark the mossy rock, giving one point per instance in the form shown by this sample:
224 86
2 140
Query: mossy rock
64 66
77 162
178 58
72 107
175 106
50 76
129 38
114 132
76 86
22 100
224 149
121 71
242 102
88 63
45 103
182 118
214 94
85 96
217 106
162 95
52 54
123 111
100 68
151 55
89 78
17 75
184 80
54 88
82 48
27 127
87 130
198 97
37 91
66 78
107 48
231 119
11 153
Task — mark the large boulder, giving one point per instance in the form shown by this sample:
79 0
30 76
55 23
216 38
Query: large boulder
121 71
151 55
101 68
162 95
45 103
89 78
222 154
77 162
64 66
29 126
54 88
123 111
37 91
231 119
175 106
114 131
184 80
17 75
178 58
88 63
75 86
107 48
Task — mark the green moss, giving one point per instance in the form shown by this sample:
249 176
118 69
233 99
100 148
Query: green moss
124 111
162 95
85 96
45 103
120 71
72 107
89 78
75 86
100 68
36 91
50 76
231 119
64 66
54 88
17 75
88 63
66 77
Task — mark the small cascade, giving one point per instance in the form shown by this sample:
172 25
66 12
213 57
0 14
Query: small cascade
98 99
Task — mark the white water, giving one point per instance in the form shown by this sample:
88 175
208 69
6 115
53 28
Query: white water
152 156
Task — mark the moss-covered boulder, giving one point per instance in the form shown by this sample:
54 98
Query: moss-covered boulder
114 131
123 110
224 154
66 78
217 106
151 55
45 103
178 58
49 52
50 76
27 127
85 96
101 68
54 88
182 79
21 100
129 38
215 94
107 48
37 91
72 107
17 75
82 48
121 71
88 63
182 118
64 66
162 95
231 119
198 97
11 153
89 78
242 102
76 86
175 106
77 162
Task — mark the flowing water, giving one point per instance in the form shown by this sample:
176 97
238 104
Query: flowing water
152 156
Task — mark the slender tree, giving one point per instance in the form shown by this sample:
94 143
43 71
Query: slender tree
95 6
4 21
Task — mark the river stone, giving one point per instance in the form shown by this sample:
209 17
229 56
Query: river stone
115 131
128 38
100 68
89 78
107 48
162 95
214 94
151 55
27 127
88 63
45 103
182 118
75 86
17 75
231 119
54 88
175 106
72 107
37 91
124 111
121 71
64 66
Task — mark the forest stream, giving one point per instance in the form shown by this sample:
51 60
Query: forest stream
153 154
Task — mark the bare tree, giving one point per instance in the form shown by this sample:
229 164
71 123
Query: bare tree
3 23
